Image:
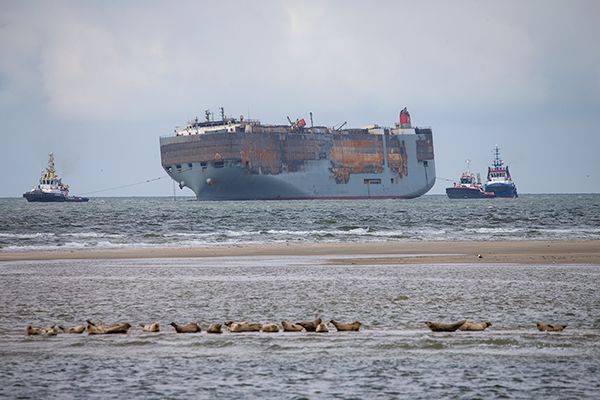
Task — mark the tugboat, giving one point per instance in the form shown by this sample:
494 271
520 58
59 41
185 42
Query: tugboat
468 187
50 188
498 179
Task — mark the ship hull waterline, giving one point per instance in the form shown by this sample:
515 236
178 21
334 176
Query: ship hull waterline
52 198
468 193
502 190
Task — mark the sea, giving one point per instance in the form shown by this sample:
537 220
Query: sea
184 222
394 355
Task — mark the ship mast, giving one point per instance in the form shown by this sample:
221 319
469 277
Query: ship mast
497 161
50 168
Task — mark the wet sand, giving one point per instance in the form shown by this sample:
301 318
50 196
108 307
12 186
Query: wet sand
366 253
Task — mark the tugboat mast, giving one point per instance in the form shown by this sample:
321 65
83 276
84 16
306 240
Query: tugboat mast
497 161
50 169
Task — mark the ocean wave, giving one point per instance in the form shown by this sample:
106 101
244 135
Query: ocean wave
122 223
38 235
92 235
79 245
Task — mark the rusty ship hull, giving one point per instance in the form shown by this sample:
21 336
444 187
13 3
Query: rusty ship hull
276 162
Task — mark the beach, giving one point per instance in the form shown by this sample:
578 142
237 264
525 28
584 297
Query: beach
401 252
390 288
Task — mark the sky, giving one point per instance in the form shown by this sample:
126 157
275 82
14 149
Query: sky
98 82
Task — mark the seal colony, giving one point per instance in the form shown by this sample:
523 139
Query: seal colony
316 325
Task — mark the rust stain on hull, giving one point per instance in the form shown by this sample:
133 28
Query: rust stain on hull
397 157
276 153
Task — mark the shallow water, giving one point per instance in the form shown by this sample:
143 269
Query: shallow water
393 356
148 222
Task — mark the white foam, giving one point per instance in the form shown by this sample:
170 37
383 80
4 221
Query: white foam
27 235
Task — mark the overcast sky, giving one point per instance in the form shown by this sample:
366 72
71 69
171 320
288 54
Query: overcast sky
97 83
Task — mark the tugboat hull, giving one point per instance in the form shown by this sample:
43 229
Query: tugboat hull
53 198
502 190
467 193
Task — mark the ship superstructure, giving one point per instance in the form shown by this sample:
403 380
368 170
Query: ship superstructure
242 159
499 180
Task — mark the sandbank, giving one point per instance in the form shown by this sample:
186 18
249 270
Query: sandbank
365 253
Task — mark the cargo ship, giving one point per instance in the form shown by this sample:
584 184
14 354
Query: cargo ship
51 188
243 159
499 180
468 187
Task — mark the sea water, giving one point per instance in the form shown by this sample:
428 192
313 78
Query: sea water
150 222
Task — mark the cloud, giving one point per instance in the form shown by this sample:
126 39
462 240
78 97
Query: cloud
131 70
125 60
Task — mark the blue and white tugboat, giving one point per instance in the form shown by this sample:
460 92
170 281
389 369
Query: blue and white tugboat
50 188
468 187
498 179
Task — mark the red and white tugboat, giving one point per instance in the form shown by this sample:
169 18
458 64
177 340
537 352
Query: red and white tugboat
50 188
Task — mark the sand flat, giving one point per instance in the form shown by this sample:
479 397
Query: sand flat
519 252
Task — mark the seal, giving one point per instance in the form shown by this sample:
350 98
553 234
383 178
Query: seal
73 329
49 331
251 326
154 327
243 326
310 326
474 326
291 327
32 330
270 328
444 327
346 327
214 328
95 329
190 327
550 327
321 328
233 327
107 329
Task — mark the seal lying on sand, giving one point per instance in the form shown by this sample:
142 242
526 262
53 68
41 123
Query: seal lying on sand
190 327
251 326
310 326
350 326
270 328
73 329
243 326
443 327
94 329
233 327
49 331
33 330
154 327
214 328
550 327
101 329
321 328
474 326
291 327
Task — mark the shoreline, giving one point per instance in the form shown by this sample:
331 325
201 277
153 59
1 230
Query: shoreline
365 253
